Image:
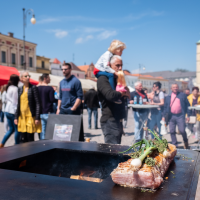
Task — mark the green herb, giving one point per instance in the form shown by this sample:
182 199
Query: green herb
150 161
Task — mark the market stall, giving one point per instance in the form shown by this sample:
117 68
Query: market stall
55 80
5 73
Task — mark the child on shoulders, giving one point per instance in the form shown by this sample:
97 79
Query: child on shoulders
102 67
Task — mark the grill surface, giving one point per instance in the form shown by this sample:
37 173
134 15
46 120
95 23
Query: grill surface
37 180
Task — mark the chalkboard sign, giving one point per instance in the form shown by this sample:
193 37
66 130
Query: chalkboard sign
65 127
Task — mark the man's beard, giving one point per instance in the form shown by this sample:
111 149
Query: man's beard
67 74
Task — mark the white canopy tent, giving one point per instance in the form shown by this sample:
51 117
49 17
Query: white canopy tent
55 80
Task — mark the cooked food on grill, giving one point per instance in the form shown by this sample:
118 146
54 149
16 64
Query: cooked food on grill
147 166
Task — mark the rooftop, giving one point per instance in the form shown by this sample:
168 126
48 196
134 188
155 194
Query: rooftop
171 74
55 61
84 68
10 35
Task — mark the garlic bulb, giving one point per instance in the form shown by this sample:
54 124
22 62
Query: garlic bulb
136 163
166 154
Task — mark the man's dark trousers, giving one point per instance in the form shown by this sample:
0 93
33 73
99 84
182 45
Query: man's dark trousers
112 131
179 120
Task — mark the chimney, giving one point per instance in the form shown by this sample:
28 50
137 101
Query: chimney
10 34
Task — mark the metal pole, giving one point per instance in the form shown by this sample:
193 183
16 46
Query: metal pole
24 24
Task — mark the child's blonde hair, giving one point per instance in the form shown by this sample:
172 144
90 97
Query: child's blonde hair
121 79
115 44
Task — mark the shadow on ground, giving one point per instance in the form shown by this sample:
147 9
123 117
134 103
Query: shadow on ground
91 135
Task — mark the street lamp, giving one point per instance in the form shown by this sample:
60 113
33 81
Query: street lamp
33 21
141 67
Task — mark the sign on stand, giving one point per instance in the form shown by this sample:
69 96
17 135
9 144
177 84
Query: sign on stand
65 127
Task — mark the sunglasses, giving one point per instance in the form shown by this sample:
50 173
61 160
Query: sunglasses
27 76
65 69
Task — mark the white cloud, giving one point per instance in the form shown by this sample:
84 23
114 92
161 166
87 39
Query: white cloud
106 34
92 30
48 20
58 33
61 34
132 17
81 39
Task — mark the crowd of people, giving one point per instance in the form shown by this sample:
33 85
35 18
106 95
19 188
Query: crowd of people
25 110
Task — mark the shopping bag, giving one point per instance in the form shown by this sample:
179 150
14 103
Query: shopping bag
163 129
188 131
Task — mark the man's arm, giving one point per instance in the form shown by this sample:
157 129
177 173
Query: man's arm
187 104
106 90
59 100
76 105
58 109
165 109
79 94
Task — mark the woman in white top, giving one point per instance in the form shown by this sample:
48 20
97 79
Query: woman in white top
11 107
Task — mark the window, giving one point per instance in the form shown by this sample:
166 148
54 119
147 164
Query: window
43 64
3 56
77 75
22 59
30 62
13 58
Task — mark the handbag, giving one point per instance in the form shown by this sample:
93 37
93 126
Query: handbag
193 120
168 114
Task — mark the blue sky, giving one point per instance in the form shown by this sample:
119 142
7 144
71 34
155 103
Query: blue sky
161 35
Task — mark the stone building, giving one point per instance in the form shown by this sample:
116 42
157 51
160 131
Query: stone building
88 69
198 64
56 69
12 52
43 65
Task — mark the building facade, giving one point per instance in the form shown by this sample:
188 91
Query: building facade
198 64
43 65
148 80
12 52
56 69
88 69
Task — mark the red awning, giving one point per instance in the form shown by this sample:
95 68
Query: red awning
5 73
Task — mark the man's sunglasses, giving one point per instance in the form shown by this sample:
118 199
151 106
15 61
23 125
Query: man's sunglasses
27 76
65 69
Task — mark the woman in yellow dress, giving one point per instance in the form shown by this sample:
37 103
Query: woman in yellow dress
27 116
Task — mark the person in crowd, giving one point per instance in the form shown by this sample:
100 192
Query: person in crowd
70 93
156 113
102 67
1 113
139 115
40 79
27 116
175 108
194 100
92 102
56 96
3 107
125 121
11 106
112 113
145 90
165 93
187 91
46 95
